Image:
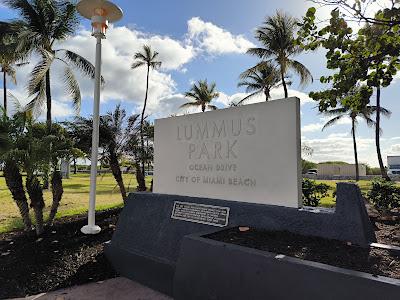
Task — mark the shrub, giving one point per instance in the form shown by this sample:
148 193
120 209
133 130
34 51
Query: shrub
313 192
384 195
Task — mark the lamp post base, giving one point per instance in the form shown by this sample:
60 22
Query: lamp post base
88 229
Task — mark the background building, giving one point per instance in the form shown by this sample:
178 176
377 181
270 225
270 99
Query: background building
393 163
341 170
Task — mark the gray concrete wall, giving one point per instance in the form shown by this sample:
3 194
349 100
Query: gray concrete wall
210 269
146 244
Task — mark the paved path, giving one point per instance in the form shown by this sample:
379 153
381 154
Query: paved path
116 288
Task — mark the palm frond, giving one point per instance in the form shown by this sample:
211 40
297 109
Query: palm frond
248 97
38 74
336 111
155 64
260 52
137 64
72 88
81 63
26 11
332 122
67 20
15 101
302 71
190 104
36 104
13 74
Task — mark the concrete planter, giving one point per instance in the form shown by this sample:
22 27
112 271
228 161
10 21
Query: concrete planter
209 269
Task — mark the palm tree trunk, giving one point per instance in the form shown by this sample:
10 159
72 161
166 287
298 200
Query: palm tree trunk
48 101
37 203
57 191
284 83
140 178
147 152
14 183
116 171
5 91
142 126
203 107
75 167
267 94
353 130
48 122
377 134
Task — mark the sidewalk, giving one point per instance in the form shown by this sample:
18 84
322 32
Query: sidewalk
116 288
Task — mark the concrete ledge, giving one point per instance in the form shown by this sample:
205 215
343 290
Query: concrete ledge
151 271
146 244
209 269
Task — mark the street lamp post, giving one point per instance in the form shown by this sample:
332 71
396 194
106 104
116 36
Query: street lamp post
100 13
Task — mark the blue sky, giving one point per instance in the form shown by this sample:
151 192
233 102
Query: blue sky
198 40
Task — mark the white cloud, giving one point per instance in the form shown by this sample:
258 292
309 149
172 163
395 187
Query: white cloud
61 110
276 94
312 127
339 147
170 105
318 126
125 84
333 148
215 40
338 135
394 149
17 99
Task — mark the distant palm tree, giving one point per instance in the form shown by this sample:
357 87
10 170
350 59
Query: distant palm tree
113 138
260 80
202 93
8 63
147 58
345 112
277 35
42 24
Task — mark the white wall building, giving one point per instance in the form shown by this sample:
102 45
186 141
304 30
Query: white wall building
393 163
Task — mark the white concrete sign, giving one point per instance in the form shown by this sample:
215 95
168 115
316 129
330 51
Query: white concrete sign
249 153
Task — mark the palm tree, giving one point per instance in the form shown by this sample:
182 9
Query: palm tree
112 140
149 137
10 130
260 80
132 148
42 24
146 58
202 93
364 113
378 132
60 147
277 35
8 59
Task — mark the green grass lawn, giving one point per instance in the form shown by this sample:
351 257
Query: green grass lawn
76 196
329 201
75 199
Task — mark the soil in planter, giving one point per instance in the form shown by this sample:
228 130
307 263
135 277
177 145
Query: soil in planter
387 232
62 257
331 252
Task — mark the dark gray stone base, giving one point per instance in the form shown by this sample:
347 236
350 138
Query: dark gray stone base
146 244
210 269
